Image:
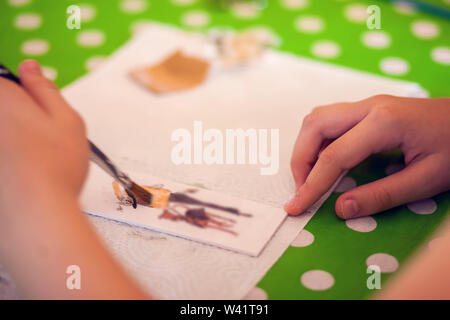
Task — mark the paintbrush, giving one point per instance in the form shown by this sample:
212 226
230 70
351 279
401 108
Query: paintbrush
138 194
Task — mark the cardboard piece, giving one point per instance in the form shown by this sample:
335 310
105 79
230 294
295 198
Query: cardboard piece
176 72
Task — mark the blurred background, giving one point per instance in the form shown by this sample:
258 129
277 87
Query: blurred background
412 42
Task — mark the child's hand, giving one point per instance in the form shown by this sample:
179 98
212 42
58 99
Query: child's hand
42 140
419 127
44 161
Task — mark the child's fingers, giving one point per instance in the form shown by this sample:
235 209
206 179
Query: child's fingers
323 124
402 187
15 101
42 90
314 131
344 153
304 155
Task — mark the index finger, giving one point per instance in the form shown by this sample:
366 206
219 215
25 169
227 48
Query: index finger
341 155
15 100
323 124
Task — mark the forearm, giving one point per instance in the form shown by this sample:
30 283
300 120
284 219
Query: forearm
43 236
427 276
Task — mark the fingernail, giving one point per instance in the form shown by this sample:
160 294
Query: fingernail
289 203
30 66
349 209
291 206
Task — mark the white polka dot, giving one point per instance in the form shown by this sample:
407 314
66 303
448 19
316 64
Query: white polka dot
425 29
133 6
325 49
441 55
88 12
18 3
294 4
35 47
376 39
394 66
384 261
346 184
309 24
245 10
317 280
94 62
183 2
304 239
91 38
28 21
427 206
363 224
417 91
356 13
50 73
393 168
256 294
196 19
404 7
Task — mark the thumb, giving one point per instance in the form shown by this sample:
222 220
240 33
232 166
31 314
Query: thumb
42 90
415 182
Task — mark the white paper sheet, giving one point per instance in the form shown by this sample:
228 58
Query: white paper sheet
134 127
236 232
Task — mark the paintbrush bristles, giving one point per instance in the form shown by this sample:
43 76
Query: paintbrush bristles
143 197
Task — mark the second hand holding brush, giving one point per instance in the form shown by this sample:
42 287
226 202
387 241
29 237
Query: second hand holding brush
138 194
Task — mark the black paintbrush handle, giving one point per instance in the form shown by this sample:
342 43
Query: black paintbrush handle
99 158
5 73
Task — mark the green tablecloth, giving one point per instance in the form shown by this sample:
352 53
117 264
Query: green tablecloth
329 259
